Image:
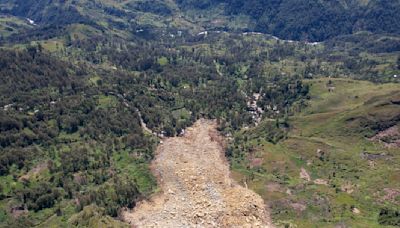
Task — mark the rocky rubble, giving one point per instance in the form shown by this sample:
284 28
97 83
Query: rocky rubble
197 190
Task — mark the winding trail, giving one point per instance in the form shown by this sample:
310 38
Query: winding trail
197 190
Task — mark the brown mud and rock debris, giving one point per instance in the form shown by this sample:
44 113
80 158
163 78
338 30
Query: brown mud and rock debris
197 190
389 137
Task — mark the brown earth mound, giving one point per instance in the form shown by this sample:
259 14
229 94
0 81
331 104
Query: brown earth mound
197 190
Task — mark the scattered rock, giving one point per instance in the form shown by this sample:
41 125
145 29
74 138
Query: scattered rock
256 162
372 164
321 182
390 194
373 156
356 211
389 137
304 175
348 187
35 171
298 206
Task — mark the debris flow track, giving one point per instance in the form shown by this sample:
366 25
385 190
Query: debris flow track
196 188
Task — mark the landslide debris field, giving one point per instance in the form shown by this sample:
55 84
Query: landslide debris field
197 190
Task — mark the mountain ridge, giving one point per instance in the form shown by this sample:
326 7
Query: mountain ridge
289 19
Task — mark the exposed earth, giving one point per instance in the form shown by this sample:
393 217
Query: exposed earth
197 190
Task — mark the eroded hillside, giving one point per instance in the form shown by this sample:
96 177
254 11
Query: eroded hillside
197 190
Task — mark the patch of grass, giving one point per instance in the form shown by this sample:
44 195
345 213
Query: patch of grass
181 114
162 61
107 101
51 45
322 142
94 80
10 25
127 163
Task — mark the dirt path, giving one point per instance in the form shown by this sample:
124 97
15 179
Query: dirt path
197 188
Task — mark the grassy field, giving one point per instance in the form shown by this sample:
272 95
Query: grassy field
10 25
318 176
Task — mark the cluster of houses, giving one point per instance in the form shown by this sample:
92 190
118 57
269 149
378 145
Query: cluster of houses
256 111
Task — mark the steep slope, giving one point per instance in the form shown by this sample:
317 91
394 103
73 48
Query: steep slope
312 20
305 20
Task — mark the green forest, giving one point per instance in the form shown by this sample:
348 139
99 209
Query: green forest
88 88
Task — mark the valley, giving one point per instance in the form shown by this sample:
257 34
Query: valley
208 113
